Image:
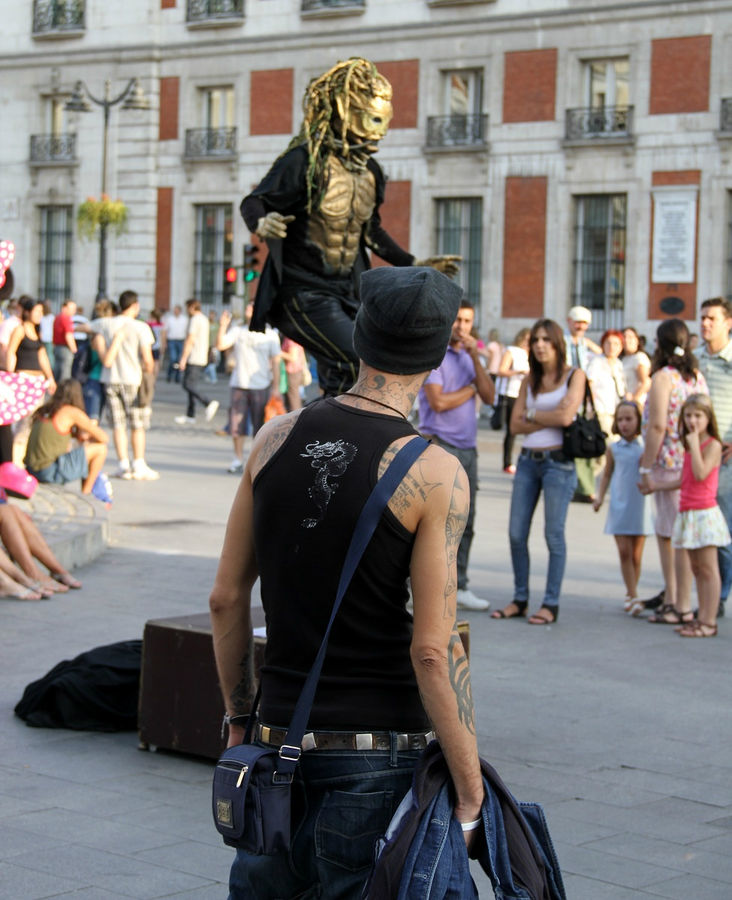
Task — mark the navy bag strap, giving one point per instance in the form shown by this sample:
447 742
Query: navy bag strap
365 526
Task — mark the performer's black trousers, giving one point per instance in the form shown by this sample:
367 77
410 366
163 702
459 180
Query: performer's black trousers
322 321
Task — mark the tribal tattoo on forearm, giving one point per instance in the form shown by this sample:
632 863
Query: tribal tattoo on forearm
459 673
243 693
457 516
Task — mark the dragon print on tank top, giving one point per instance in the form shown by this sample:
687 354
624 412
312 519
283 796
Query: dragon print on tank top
330 460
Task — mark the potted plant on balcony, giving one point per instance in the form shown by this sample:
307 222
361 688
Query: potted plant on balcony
93 214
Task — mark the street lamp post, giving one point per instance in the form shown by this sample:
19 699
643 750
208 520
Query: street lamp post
131 97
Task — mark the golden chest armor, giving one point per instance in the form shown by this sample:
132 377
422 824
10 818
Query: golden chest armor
335 229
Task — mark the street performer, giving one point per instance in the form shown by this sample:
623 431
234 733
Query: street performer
318 210
388 680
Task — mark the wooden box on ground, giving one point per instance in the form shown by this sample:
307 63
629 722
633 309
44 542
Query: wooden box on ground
181 707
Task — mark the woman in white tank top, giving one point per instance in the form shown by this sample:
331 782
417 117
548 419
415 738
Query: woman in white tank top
548 401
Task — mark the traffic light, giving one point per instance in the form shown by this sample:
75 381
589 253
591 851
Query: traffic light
251 262
230 276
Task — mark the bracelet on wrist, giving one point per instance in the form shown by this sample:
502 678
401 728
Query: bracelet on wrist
240 720
643 470
531 414
471 826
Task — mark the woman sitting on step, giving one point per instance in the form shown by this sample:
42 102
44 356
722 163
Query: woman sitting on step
51 456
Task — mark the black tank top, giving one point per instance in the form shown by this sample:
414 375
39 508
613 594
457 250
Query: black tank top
307 499
26 358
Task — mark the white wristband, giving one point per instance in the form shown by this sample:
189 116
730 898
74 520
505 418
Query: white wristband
471 826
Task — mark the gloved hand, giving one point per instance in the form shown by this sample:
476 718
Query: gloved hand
273 225
447 264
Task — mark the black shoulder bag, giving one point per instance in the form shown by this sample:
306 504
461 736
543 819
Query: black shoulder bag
251 785
583 438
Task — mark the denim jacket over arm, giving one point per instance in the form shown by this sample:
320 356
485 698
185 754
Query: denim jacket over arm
423 855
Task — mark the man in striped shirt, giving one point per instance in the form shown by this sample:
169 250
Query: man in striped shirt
715 361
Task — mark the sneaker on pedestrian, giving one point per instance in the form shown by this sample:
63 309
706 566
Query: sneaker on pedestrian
236 467
510 470
186 420
123 471
142 472
102 489
466 599
212 409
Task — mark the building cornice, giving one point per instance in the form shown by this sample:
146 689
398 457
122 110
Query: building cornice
303 39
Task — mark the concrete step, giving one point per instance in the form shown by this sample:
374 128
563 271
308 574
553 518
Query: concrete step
76 527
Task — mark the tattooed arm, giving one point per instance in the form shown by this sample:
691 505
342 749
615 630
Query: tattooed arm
230 600
437 653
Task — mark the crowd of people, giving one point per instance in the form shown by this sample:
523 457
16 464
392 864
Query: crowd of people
668 440
533 387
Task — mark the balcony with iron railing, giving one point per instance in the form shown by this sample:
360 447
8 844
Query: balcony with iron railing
725 117
210 143
332 7
53 149
609 124
457 132
58 18
213 13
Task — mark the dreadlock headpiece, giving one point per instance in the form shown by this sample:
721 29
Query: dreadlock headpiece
328 104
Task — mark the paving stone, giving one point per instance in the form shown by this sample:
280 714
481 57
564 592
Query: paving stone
643 823
606 867
29 884
691 886
193 857
125 875
695 858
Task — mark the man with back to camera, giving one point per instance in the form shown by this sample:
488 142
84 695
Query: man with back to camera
580 350
715 363
387 680
124 344
447 415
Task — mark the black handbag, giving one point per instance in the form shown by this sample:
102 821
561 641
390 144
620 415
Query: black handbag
251 784
583 438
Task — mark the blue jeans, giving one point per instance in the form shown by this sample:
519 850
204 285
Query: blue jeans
63 360
558 481
175 351
468 458
724 554
343 802
94 397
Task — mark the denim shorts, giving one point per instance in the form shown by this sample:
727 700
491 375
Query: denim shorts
68 467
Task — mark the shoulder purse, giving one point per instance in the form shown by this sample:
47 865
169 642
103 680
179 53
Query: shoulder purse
583 438
251 784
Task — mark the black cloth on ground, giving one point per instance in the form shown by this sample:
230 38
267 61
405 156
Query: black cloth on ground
96 691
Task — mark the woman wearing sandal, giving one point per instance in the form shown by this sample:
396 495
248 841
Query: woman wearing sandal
548 401
675 377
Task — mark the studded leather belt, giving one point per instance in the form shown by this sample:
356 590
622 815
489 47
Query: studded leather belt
348 740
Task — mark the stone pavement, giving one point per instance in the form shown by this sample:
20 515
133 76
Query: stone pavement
619 728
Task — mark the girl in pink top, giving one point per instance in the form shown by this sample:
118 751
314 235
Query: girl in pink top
700 527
